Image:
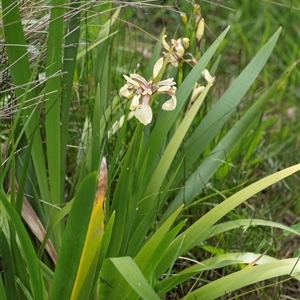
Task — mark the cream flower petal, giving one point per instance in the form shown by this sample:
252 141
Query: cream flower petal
168 81
135 102
133 82
126 92
142 82
185 42
200 29
143 113
171 91
163 88
173 42
207 75
165 44
170 104
157 67
173 61
179 50
196 92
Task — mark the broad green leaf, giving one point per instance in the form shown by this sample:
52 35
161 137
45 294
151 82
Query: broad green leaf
153 243
3 291
138 236
26 247
90 254
131 273
8 276
47 273
155 248
165 122
16 50
74 239
194 234
124 201
213 263
221 260
16 46
53 94
164 164
212 123
199 178
69 65
246 223
245 277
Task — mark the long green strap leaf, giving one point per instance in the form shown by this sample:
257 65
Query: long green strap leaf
165 161
53 94
74 239
16 49
194 234
226 105
245 277
199 178
69 64
90 254
164 124
153 250
28 252
167 119
132 274
221 260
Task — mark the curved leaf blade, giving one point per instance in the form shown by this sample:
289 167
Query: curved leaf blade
27 250
245 277
132 274
73 239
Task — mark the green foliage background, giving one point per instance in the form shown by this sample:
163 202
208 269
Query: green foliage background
195 199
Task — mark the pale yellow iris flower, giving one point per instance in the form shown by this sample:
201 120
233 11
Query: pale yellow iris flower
179 48
141 90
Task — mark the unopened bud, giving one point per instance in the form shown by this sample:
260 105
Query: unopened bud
184 18
197 13
196 9
207 76
196 92
185 42
200 30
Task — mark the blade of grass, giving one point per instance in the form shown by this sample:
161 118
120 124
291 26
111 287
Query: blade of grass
164 164
222 110
53 94
132 274
194 233
245 277
8 276
164 124
69 64
16 49
197 181
73 239
213 263
36 283
153 250
89 259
